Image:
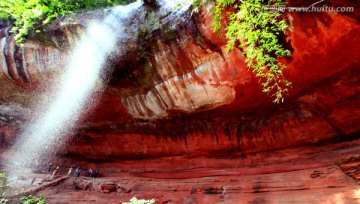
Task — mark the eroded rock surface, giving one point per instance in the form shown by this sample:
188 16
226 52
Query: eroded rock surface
303 174
178 108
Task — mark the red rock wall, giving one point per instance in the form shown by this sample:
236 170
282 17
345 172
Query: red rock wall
323 105
190 100
188 96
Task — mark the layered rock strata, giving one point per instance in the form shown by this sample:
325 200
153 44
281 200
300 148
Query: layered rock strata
172 88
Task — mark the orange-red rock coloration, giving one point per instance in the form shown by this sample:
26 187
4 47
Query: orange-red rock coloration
178 108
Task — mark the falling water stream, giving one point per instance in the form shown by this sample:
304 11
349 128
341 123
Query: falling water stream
75 89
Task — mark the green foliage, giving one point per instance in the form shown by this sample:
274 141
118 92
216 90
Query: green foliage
30 199
134 200
147 27
2 180
151 23
196 3
29 15
256 32
3 199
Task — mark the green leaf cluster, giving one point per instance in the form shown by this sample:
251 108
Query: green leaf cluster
2 180
29 15
256 30
30 199
3 199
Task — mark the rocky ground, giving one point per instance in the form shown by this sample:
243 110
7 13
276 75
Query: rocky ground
313 174
183 121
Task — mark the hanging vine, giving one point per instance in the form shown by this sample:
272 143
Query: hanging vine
255 30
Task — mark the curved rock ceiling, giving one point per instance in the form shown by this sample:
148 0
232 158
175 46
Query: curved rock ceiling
176 92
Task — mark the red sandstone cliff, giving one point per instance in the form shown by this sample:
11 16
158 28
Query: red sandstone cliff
174 91
186 95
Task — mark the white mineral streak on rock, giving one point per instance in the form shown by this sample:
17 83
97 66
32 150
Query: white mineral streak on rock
154 104
163 94
191 92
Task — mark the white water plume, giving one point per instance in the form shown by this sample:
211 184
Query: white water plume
74 91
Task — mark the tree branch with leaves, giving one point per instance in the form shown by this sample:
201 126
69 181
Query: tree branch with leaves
255 30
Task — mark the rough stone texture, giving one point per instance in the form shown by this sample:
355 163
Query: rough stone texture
108 187
323 104
82 184
189 119
27 63
350 166
303 174
204 99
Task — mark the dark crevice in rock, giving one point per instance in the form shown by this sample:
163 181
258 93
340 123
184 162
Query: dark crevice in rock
8 58
239 136
19 63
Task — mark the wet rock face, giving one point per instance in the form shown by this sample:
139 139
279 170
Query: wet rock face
174 90
13 115
27 63
11 118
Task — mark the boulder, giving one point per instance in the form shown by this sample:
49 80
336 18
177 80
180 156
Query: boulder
108 187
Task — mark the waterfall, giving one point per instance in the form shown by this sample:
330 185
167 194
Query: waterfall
74 91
